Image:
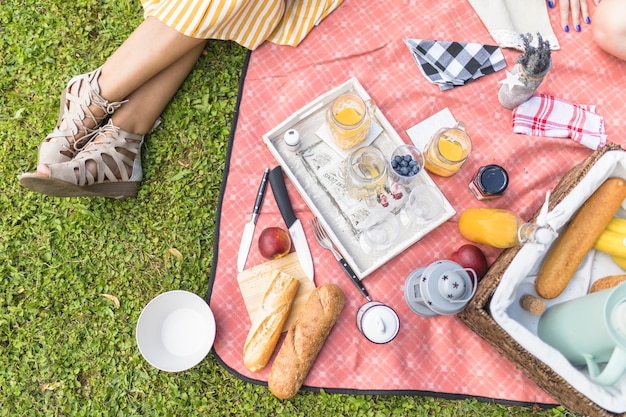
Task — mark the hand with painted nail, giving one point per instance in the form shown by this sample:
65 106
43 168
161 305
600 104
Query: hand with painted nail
573 13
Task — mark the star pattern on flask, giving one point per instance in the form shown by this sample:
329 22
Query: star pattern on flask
511 80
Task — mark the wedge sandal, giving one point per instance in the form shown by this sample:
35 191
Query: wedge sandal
71 133
108 166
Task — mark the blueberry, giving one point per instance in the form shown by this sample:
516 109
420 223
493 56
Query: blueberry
405 165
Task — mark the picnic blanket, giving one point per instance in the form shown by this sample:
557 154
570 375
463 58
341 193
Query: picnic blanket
436 356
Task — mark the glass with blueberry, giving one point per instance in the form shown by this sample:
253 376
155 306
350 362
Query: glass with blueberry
405 164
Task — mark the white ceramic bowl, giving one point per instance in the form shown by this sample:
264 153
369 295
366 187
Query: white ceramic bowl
175 331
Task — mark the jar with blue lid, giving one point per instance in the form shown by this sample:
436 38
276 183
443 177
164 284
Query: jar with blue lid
490 182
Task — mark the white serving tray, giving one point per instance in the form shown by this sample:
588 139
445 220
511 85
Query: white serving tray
315 171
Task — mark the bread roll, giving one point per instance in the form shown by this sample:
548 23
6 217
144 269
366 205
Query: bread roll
586 225
269 320
304 340
607 282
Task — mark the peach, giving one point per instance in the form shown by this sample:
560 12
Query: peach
274 243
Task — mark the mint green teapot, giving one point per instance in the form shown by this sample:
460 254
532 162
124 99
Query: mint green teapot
590 330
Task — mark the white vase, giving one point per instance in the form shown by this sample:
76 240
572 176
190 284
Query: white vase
510 98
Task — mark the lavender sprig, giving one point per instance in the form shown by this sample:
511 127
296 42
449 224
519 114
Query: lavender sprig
534 59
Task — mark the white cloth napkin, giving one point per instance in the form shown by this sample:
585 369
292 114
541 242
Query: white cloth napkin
506 20
544 115
450 64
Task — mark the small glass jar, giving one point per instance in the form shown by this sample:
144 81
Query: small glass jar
490 182
349 119
448 150
365 174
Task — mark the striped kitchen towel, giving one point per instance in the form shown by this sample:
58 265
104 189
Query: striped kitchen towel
545 115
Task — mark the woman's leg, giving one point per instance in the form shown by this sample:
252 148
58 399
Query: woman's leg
609 27
152 48
149 50
146 103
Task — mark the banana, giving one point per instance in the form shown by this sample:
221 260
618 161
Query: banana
617 224
621 262
611 242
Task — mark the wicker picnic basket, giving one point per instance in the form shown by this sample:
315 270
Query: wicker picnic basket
478 318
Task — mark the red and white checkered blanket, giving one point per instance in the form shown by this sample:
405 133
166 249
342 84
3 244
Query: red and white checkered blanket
437 355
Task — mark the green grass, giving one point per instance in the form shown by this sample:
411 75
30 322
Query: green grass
65 350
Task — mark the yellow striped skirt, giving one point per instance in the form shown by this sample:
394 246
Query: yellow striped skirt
247 22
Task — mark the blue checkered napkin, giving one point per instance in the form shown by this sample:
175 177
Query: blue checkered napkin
450 64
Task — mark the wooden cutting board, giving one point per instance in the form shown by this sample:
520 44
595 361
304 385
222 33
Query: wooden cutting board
253 283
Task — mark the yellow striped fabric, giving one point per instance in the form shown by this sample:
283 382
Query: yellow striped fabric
247 22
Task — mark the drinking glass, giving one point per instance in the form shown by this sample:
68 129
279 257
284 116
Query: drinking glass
405 164
380 231
365 174
349 120
425 204
448 150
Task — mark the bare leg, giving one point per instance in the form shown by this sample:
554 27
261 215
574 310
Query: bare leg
146 103
149 50
609 27
147 70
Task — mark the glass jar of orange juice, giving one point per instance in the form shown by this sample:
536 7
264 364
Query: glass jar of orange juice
500 228
349 119
448 150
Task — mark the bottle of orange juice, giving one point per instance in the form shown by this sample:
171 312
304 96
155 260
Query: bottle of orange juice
500 228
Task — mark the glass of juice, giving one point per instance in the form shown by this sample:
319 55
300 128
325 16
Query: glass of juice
448 150
365 174
349 119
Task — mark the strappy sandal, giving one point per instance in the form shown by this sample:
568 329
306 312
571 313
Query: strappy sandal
108 166
64 142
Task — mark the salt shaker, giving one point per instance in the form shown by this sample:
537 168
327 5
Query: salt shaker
292 140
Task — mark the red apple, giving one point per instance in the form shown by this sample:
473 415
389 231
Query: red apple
470 256
274 243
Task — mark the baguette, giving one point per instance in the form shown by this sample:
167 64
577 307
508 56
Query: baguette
269 320
587 224
305 338
607 282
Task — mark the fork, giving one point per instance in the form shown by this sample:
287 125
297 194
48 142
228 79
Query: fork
322 238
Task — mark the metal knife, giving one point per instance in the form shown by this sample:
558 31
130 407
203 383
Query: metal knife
248 229
296 231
